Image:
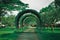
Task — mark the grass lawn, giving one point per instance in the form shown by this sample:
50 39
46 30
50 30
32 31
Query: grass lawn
10 33
46 34
49 30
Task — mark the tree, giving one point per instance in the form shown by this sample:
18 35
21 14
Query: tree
9 5
9 21
49 14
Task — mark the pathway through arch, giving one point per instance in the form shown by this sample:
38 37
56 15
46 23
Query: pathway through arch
28 36
30 33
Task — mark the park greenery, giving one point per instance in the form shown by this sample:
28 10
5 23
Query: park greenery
49 15
8 6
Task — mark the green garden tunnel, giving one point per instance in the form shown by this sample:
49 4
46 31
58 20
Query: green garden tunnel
31 21
25 12
29 15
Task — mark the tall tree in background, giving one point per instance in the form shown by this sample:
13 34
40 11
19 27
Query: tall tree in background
9 5
50 15
9 21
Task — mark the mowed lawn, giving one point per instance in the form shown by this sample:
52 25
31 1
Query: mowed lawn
49 34
13 33
10 33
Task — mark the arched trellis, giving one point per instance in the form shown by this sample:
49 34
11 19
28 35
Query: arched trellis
24 12
31 18
28 16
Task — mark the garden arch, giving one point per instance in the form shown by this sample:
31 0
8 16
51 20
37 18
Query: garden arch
25 12
23 18
30 20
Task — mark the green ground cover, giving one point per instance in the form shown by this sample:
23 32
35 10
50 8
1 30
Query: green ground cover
11 30
46 34
10 33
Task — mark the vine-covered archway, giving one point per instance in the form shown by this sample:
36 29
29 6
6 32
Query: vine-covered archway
29 15
25 12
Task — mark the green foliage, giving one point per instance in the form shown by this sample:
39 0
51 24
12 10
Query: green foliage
9 21
50 14
10 5
57 2
30 20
